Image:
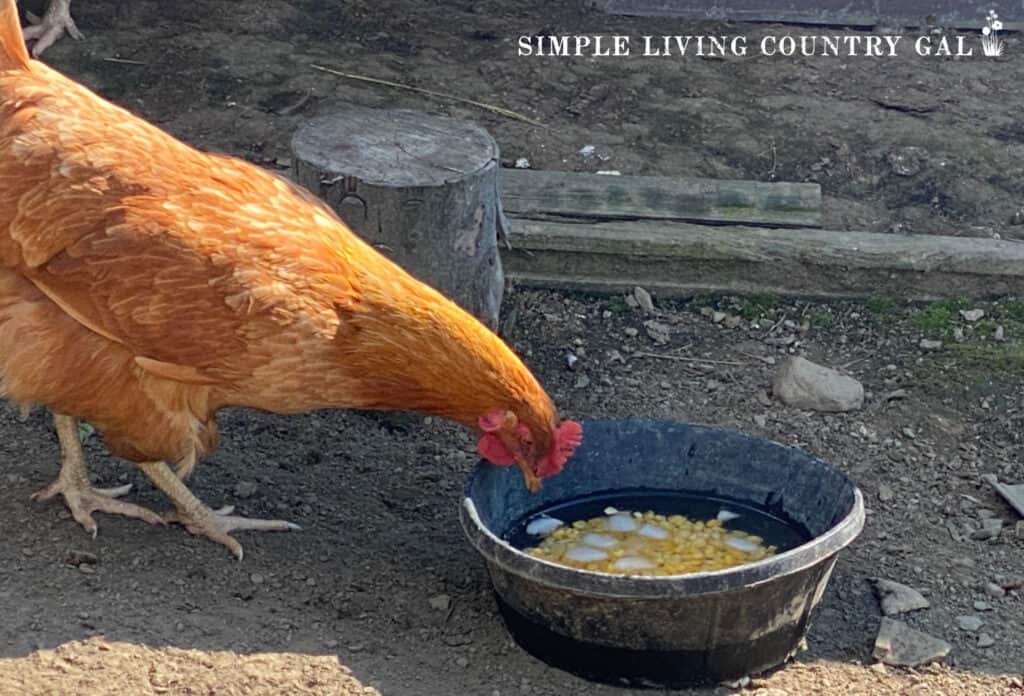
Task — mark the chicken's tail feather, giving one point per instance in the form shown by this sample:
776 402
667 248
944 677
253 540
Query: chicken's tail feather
13 53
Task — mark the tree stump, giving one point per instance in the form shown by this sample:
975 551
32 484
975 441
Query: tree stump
422 189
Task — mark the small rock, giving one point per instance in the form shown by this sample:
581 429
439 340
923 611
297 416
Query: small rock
885 493
994 590
245 489
972 315
760 420
256 579
80 558
718 317
440 602
658 332
990 529
643 299
899 645
804 384
731 321
462 662
982 605
631 332
985 640
897 598
969 623
330 643
929 344
582 382
587 150
1014 582
907 161
999 334
522 163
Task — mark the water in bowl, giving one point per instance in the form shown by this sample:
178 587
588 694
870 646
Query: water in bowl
748 533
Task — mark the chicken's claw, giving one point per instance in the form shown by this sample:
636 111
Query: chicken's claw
198 518
48 29
216 525
83 500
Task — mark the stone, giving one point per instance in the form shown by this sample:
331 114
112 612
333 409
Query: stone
440 602
985 640
972 315
885 493
929 344
990 529
899 645
245 489
993 590
803 384
643 299
897 598
658 332
969 623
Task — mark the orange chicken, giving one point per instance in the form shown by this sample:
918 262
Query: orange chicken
144 285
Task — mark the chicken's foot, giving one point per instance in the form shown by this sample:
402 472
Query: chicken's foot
48 29
199 519
73 483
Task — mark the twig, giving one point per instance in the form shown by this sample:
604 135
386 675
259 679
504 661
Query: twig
126 61
680 358
507 113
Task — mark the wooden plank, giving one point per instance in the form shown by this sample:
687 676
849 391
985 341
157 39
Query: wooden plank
910 13
679 260
528 193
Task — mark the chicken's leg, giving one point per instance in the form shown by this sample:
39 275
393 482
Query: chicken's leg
200 519
73 483
46 30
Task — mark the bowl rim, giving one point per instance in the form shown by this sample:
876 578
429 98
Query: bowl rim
586 582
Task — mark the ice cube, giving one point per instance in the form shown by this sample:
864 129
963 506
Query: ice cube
653 531
599 541
543 525
726 515
740 544
621 522
633 563
584 554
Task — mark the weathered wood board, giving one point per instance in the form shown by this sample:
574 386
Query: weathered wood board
682 259
530 193
911 13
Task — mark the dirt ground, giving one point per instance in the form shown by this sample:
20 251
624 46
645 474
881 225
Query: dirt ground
343 607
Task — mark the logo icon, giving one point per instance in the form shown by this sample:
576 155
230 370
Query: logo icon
991 45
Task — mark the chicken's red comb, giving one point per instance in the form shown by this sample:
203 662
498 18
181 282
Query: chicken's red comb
568 436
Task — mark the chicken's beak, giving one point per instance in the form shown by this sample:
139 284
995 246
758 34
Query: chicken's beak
531 479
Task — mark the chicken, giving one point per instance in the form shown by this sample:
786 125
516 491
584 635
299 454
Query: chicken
48 29
145 285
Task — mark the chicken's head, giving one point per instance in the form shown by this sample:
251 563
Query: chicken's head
506 441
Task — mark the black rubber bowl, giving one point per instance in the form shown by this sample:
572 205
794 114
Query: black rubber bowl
668 631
